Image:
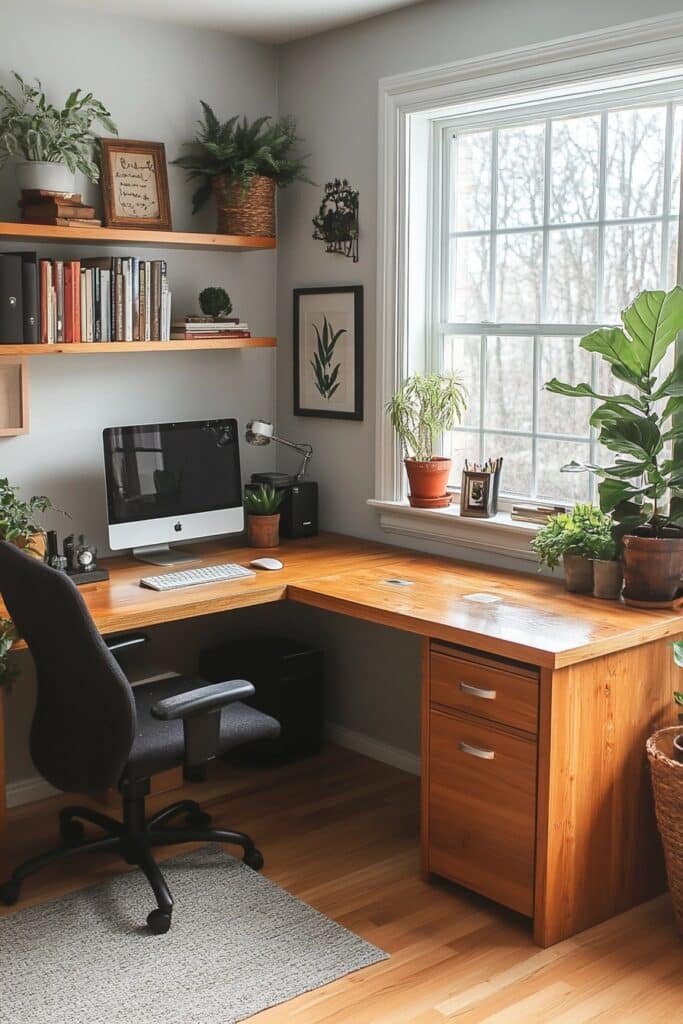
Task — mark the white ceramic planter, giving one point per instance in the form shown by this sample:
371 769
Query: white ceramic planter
42 174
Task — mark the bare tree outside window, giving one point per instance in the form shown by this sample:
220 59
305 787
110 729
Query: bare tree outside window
553 225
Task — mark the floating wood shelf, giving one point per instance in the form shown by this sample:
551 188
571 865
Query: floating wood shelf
103 348
20 232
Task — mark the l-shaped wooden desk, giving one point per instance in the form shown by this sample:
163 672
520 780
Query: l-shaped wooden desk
536 706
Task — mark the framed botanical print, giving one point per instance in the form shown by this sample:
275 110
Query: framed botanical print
135 185
328 352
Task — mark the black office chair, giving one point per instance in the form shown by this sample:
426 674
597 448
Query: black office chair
93 730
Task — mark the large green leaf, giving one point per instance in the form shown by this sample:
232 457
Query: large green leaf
613 345
639 438
653 321
586 391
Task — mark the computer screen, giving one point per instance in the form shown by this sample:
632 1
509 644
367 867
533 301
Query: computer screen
165 479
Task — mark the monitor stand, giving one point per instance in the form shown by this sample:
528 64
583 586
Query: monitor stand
162 554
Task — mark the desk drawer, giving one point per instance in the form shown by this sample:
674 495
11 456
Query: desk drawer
482 809
485 688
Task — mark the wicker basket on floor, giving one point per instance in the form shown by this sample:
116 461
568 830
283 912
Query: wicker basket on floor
667 783
249 211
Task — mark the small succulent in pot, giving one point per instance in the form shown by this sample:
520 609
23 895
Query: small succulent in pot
215 302
262 504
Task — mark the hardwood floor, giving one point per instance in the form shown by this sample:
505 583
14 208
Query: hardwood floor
341 832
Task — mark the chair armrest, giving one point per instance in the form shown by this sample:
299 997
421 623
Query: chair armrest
120 643
202 700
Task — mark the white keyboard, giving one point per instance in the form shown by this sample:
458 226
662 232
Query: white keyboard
191 577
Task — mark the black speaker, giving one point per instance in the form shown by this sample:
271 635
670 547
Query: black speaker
288 678
299 509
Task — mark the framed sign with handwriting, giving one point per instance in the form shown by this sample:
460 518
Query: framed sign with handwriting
135 185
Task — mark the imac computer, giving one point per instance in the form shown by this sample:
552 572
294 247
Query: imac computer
172 482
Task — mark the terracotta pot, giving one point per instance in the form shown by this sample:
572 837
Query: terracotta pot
578 574
608 579
263 531
35 545
241 211
428 479
652 568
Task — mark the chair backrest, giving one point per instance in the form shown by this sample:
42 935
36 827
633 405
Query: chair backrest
84 723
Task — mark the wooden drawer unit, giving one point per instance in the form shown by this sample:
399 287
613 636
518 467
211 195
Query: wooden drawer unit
481 808
498 691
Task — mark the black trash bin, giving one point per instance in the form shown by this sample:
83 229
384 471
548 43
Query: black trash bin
289 681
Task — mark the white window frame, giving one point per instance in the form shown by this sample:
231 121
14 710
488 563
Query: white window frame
413 109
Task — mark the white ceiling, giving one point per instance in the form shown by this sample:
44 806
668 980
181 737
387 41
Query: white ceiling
272 21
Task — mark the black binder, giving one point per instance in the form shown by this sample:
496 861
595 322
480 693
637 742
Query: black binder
11 303
30 281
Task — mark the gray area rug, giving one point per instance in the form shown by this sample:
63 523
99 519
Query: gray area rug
238 944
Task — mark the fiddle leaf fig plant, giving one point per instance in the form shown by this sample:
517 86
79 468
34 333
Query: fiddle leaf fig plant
643 487
32 128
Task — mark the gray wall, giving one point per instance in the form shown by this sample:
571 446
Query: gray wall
152 77
330 83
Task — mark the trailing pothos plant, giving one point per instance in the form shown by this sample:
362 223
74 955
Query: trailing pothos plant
643 487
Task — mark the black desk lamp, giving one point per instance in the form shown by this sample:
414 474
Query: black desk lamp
299 509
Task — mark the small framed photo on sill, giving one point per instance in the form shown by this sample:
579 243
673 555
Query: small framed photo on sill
328 352
135 185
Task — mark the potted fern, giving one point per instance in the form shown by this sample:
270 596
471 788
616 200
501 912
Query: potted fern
423 408
643 487
263 518
243 164
576 538
50 143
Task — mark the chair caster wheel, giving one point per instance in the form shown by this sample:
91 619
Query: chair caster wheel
72 832
9 893
159 921
198 820
254 859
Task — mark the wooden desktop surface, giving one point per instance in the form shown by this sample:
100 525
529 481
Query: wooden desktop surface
535 620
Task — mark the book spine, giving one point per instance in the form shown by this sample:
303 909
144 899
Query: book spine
68 304
135 276
97 304
112 298
148 301
31 298
141 308
76 307
89 296
156 300
83 310
105 292
59 297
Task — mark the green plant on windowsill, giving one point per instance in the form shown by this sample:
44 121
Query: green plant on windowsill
264 501
584 531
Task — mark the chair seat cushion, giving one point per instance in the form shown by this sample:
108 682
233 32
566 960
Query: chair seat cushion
159 745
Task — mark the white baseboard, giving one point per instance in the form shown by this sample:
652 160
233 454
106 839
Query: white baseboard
373 748
26 791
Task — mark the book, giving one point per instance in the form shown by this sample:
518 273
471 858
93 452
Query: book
184 336
66 222
41 194
30 293
47 212
156 300
45 286
58 270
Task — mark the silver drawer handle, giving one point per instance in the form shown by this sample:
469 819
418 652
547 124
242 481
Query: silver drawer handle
467 748
476 691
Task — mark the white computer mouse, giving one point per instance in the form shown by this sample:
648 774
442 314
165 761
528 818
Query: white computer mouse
267 563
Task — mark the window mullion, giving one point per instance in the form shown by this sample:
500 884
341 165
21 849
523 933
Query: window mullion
668 146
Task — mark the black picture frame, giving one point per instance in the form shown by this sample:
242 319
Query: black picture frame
302 365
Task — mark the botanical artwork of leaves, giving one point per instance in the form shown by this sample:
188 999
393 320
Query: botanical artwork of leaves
326 375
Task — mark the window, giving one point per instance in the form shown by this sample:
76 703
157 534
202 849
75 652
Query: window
549 219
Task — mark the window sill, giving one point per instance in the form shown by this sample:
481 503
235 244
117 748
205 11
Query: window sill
500 535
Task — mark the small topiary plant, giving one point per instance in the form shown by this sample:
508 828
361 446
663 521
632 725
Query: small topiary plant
215 302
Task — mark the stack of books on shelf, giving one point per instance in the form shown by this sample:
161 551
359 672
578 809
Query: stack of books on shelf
64 208
108 298
201 328
535 513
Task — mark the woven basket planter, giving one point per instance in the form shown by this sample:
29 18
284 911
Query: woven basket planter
667 783
248 211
